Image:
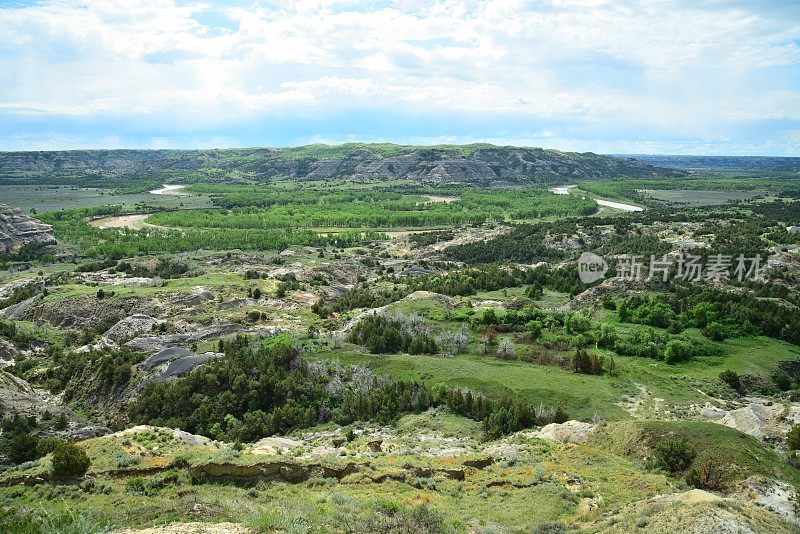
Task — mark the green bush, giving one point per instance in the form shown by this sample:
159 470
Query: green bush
136 486
707 476
793 438
22 448
69 460
732 379
47 445
673 455
783 382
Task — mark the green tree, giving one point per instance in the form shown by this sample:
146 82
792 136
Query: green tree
22 447
69 460
535 328
715 331
793 438
677 351
673 455
732 379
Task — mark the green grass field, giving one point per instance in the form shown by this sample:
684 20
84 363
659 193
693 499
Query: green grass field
44 198
700 197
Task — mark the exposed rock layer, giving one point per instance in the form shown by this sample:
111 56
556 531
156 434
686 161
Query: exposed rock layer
17 229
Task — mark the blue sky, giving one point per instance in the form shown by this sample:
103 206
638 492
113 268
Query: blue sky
658 76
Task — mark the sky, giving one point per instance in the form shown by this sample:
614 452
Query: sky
653 76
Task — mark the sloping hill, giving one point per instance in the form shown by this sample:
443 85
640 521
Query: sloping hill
477 163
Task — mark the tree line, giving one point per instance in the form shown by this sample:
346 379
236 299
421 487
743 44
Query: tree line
265 388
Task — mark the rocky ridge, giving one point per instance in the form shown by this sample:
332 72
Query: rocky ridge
18 229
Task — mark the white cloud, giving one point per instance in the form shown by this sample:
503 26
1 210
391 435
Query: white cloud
681 68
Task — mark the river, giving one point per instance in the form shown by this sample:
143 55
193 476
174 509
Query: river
168 189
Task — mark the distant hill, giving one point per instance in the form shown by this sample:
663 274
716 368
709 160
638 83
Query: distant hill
477 163
742 163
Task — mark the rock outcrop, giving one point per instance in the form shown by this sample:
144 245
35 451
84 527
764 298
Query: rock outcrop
567 432
17 396
17 229
174 362
130 327
480 163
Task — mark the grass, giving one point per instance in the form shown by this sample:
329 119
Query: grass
741 455
44 198
524 490
700 197
581 395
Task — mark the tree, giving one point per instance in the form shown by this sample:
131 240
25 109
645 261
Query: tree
715 331
708 476
576 323
677 351
506 350
732 379
490 317
62 422
535 328
673 455
607 337
488 338
69 460
793 438
22 447
783 382
534 291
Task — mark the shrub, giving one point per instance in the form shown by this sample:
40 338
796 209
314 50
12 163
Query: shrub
391 517
127 460
22 448
715 331
506 350
136 486
673 455
732 379
677 351
783 382
47 445
69 460
550 528
793 438
707 476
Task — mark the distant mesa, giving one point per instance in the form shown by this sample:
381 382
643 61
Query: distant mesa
476 163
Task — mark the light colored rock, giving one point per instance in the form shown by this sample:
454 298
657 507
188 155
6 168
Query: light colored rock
17 229
18 396
199 295
8 353
275 445
568 432
180 435
778 497
764 419
130 327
